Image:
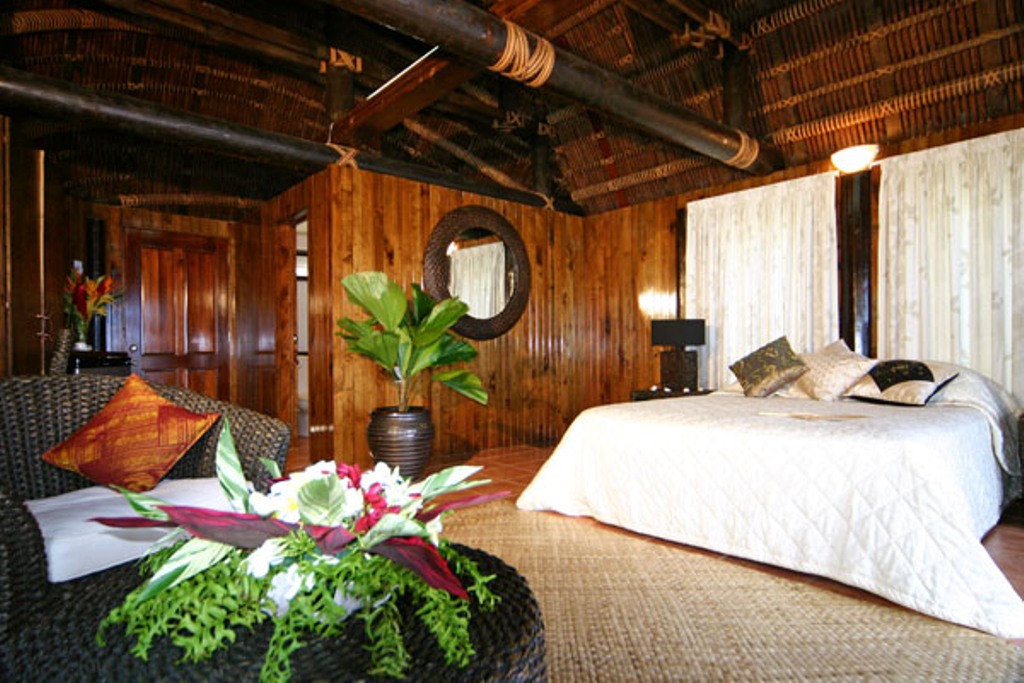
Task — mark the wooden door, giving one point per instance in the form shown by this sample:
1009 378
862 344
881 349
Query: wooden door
176 309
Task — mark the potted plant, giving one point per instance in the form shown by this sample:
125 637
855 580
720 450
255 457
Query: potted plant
410 339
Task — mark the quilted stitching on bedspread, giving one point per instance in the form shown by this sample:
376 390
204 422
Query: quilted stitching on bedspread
892 519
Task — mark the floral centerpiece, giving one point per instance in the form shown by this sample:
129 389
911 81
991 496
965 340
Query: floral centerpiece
85 298
324 544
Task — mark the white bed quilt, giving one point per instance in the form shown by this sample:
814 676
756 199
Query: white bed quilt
893 500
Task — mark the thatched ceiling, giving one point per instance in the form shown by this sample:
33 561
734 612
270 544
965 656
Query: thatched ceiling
802 78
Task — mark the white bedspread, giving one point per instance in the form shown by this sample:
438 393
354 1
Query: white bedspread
893 500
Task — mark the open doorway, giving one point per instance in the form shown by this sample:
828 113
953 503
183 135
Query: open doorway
302 325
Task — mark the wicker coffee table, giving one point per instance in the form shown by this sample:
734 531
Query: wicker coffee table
60 645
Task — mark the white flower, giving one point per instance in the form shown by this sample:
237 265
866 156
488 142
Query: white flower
351 502
286 585
268 555
347 601
394 488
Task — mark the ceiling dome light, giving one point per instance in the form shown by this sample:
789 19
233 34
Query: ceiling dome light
854 159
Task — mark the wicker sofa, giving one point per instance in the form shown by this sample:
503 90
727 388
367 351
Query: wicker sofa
48 630
36 413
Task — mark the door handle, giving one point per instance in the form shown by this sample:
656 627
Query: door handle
134 348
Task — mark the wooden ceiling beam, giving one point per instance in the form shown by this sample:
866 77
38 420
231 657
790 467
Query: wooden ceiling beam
431 77
24 93
482 38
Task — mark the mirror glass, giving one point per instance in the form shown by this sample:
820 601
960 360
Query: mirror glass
478 272
475 254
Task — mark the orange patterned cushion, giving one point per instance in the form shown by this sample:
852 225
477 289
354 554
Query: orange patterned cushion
133 441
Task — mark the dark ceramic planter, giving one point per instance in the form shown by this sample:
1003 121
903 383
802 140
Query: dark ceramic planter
402 440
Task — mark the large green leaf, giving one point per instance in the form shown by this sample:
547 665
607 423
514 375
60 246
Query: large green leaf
455 350
322 500
354 329
465 383
448 480
391 525
196 555
422 305
445 314
380 347
383 299
229 471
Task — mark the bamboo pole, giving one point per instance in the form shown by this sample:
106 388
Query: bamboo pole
41 254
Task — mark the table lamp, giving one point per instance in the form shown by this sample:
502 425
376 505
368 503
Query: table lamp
678 365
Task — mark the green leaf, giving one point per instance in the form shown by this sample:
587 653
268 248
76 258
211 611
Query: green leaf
273 469
193 557
229 471
391 525
321 501
354 329
445 314
455 350
380 347
422 305
383 299
144 504
448 480
465 383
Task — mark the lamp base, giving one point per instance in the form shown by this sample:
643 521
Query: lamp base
679 370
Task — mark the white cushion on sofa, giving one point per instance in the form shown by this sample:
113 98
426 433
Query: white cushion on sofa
76 546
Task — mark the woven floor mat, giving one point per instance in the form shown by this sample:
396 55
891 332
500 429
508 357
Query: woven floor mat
618 607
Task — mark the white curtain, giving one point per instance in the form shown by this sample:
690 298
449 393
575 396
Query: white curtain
761 264
477 276
951 257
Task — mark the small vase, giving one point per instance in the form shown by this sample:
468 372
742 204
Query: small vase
81 335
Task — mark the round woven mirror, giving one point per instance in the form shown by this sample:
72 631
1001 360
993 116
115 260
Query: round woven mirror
477 255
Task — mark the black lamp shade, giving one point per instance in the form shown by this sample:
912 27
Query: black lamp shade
687 332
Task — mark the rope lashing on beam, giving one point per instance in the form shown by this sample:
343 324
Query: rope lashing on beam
746 154
519 63
346 155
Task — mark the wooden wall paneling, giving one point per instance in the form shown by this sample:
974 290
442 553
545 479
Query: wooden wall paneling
258 277
582 341
322 426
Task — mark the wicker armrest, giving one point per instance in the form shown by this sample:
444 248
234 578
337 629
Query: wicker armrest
23 581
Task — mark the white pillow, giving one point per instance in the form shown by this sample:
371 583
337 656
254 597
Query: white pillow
76 546
833 370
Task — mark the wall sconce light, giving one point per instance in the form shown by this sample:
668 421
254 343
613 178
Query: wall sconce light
854 159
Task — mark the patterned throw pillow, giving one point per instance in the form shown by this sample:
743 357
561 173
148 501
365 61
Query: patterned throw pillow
133 441
769 368
904 382
833 370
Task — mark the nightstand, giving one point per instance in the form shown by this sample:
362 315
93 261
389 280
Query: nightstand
650 394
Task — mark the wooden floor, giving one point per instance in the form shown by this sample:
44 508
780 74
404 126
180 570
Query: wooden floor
512 469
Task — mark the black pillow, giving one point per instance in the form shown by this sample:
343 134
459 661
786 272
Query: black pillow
903 382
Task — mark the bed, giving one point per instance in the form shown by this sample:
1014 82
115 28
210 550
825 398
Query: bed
887 498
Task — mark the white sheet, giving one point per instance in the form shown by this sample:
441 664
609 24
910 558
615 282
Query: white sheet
893 500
